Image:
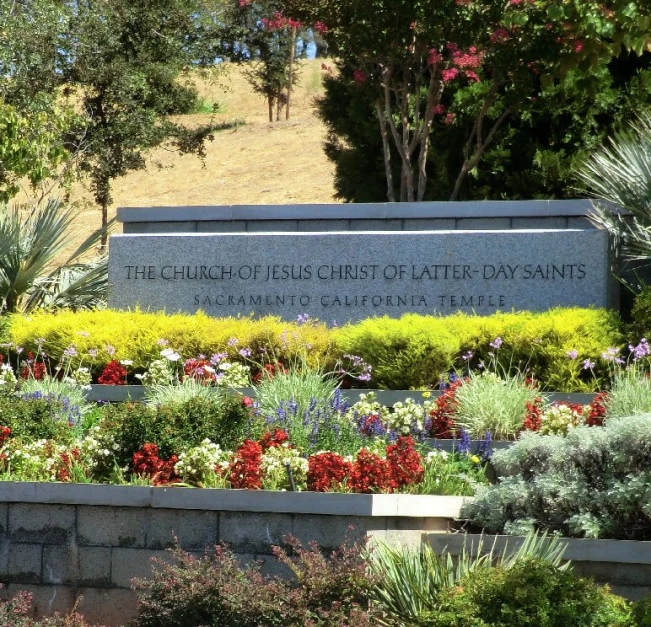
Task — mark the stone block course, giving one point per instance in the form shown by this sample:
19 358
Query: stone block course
127 564
48 524
20 563
254 533
107 606
111 526
194 529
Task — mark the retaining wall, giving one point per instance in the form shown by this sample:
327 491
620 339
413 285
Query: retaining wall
65 542
624 565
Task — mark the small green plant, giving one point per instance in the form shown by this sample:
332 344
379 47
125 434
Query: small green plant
490 403
530 592
630 394
410 581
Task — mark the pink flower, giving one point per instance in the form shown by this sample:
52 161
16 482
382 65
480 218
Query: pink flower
439 109
472 76
449 118
450 75
434 57
500 35
320 27
578 45
360 76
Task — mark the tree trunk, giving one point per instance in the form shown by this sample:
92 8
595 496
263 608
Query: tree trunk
270 102
292 54
391 195
104 225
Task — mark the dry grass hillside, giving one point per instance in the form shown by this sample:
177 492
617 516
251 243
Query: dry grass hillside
256 163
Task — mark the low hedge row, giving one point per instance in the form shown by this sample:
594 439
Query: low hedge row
408 353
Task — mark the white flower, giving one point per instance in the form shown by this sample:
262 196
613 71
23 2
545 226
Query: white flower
126 362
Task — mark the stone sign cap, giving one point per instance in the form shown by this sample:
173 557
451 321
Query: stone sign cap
344 276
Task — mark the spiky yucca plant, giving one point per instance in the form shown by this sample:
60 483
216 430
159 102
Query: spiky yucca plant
620 174
31 241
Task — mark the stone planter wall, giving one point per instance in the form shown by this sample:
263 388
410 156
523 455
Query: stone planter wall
66 541
120 393
624 565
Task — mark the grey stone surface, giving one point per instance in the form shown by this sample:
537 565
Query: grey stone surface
329 532
111 526
479 224
230 226
128 564
429 224
107 606
539 223
46 599
194 529
33 522
21 563
351 276
254 533
353 211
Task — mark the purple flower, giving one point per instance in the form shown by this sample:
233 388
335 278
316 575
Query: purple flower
302 318
467 356
588 365
233 341
496 343
245 352
93 352
71 351
464 443
573 354
641 350
218 357
110 349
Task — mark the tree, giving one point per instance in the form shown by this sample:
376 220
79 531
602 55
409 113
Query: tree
407 54
535 154
123 60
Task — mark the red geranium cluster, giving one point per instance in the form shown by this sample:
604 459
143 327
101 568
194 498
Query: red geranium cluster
114 374
246 469
269 371
533 419
32 368
369 472
5 434
442 416
196 369
597 410
67 459
147 461
327 471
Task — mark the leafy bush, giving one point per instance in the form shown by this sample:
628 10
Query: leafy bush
595 482
414 351
34 416
222 418
410 581
410 352
135 335
531 592
216 591
15 613
642 613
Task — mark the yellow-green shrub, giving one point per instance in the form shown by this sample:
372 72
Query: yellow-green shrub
135 335
411 352
415 351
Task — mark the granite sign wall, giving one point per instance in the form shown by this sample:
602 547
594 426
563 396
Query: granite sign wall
352 275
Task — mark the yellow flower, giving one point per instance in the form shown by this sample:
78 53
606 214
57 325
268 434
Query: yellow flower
475 459
427 394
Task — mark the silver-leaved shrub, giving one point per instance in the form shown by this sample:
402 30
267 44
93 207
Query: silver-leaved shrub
595 482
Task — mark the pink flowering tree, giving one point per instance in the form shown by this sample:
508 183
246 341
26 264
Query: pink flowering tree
267 38
407 53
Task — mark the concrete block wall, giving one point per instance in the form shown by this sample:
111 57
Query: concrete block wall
85 544
424 216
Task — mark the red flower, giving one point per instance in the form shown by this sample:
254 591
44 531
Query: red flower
5 434
597 411
246 469
32 369
371 473
442 415
533 420
114 374
196 369
326 471
273 438
148 462
269 371
405 462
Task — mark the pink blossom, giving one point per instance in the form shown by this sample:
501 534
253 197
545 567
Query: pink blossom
439 109
472 76
320 27
500 35
578 45
449 118
434 57
360 76
450 75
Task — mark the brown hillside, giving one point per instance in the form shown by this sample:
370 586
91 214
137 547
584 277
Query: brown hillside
257 163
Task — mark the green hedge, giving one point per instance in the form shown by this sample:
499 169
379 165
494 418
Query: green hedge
411 352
